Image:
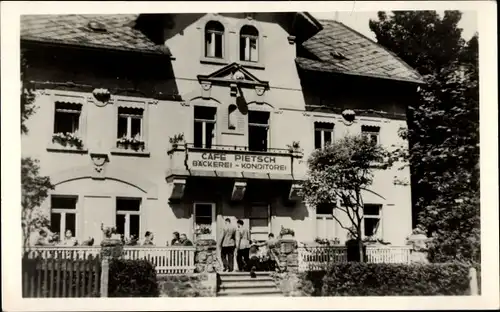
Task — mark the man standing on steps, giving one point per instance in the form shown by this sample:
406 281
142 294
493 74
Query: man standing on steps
242 246
227 244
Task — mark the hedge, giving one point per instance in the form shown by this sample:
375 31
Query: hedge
379 279
132 278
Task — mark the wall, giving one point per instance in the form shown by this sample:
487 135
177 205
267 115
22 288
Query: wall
187 285
160 84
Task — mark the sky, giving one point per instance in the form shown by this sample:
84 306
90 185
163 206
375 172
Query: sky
359 21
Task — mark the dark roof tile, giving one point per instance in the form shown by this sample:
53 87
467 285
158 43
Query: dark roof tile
74 30
363 56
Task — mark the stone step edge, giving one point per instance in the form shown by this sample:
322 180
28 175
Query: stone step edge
248 285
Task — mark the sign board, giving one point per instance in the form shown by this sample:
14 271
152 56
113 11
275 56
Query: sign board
221 161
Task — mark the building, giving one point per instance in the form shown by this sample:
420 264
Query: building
118 97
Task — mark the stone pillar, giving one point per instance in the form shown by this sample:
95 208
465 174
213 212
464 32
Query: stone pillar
418 242
288 257
110 249
205 257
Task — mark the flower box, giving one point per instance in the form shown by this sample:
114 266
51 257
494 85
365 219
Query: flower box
67 139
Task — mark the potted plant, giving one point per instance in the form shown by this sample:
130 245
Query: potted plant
286 233
66 139
122 143
203 232
294 147
136 144
176 139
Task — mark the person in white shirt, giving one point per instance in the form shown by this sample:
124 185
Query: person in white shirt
69 240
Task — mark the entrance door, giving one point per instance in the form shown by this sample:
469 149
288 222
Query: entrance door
259 220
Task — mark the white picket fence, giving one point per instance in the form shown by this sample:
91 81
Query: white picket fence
313 258
171 259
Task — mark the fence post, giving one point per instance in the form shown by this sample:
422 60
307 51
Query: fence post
473 282
104 277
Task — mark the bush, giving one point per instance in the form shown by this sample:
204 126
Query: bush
132 278
385 279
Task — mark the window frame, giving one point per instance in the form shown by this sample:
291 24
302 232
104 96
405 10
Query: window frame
204 126
62 212
368 133
329 222
323 132
266 126
248 38
129 118
127 213
69 111
379 229
213 33
201 26
213 215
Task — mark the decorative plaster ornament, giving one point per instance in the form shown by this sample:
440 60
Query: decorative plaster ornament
349 116
103 96
238 75
99 160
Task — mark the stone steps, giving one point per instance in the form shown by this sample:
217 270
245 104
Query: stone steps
242 284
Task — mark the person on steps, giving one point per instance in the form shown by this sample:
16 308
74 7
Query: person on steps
227 245
242 246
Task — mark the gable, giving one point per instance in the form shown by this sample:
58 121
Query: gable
233 74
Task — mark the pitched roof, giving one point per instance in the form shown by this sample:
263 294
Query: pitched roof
113 32
339 49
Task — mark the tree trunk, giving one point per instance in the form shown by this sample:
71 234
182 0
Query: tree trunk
360 249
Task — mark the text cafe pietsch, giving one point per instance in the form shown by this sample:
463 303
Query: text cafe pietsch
235 161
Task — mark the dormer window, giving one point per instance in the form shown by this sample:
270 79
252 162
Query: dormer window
249 36
214 39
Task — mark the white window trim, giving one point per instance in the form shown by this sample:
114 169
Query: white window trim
204 127
132 102
63 212
214 217
55 96
201 26
129 124
323 132
379 233
127 214
267 126
260 64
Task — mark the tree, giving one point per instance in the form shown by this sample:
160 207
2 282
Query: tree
34 188
339 174
443 129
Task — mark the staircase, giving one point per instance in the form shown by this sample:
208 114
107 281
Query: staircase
241 284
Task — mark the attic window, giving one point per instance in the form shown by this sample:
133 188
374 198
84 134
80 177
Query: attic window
338 55
97 26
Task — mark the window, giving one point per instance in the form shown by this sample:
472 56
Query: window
258 131
371 220
204 215
371 133
214 40
63 214
130 123
323 134
259 221
67 118
204 126
325 224
128 214
249 37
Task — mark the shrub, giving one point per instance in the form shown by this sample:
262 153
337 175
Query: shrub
132 278
385 279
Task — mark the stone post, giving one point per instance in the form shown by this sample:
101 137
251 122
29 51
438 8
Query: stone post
288 257
473 282
111 248
205 257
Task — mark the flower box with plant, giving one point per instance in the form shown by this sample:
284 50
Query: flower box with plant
67 139
176 140
294 147
203 232
286 232
130 143
327 242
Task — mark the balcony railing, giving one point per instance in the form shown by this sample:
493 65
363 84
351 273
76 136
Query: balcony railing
171 259
236 159
313 258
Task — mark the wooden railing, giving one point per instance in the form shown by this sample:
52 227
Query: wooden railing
171 259
388 254
313 258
